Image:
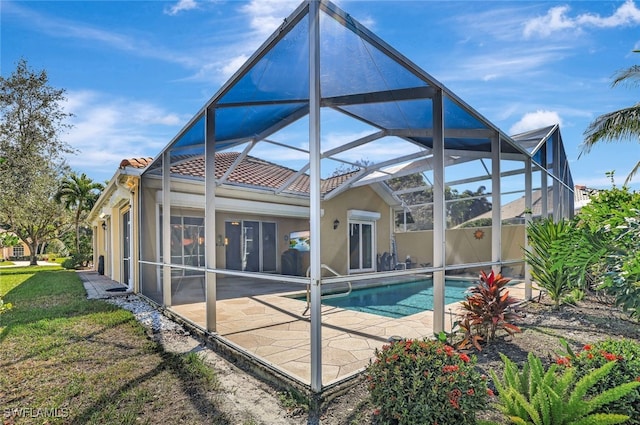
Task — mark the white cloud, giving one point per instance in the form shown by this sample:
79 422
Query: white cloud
107 130
181 6
265 16
558 19
233 65
535 120
503 63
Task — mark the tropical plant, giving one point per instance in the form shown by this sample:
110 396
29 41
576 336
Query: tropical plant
78 194
548 270
625 354
487 308
623 124
555 396
8 239
425 382
599 250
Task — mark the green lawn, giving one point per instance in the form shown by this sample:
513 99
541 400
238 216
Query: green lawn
66 359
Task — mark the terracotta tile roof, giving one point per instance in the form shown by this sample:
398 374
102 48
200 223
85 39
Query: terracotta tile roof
252 171
136 162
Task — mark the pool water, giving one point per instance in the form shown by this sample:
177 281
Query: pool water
401 299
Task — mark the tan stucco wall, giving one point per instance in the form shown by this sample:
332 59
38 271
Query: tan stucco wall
335 242
462 247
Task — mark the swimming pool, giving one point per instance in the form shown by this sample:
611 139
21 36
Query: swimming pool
400 299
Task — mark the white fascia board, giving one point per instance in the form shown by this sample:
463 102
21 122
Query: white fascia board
190 200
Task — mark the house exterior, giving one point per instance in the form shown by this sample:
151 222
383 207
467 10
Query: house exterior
247 210
252 187
14 252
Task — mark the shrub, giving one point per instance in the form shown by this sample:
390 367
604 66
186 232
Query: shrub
73 262
4 307
625 354
557 396
425 382
487 309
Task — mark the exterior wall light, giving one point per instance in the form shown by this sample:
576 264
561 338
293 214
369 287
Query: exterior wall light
336 223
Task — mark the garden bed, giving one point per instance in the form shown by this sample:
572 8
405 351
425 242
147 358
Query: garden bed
542 327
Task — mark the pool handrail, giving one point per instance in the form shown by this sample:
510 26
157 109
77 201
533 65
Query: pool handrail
328 296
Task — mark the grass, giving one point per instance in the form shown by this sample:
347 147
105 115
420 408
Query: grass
66 359
6 263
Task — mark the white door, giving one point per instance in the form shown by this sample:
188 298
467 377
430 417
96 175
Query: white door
361 246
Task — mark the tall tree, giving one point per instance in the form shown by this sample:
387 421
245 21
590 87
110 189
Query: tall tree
620 125
78 194
31 120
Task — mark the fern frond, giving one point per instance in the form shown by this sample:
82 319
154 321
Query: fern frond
564 381
601 419
611 394
557 408
529 408
585 383
541 401
516 420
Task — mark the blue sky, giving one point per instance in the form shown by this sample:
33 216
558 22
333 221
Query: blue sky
136 71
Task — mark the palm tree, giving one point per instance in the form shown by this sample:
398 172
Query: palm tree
617 125
78 194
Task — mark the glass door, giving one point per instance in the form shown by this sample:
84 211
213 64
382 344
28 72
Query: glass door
251 246
233 241
269 248
361 247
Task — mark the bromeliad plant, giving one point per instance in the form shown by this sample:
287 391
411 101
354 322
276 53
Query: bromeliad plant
425 382
556 397
488 308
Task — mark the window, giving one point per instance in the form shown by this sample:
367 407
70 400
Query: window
187 242
18 250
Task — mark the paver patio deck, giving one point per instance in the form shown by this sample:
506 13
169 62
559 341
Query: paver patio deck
276 329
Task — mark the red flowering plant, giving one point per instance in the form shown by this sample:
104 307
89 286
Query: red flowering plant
487 308
425 382
626 355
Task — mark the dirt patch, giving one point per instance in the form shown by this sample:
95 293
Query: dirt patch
248 400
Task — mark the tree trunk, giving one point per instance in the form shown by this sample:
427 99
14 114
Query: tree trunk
33 253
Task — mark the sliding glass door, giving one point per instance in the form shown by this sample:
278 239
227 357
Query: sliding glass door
361 247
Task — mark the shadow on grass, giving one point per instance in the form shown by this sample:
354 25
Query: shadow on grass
45 296
47 321
195 388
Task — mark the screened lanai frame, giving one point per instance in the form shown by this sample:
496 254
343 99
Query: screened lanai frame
345 68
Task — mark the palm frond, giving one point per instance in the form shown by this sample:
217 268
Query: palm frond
630 75
612 127
632 173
